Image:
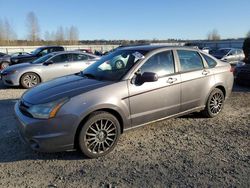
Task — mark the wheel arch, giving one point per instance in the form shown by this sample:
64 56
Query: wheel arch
32 73
218 86
81 124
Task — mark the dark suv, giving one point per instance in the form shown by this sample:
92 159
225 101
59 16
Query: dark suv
35 54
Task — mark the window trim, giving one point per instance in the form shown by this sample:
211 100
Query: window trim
148 56
207 65
179 63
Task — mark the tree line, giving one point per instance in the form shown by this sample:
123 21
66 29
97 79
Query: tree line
61 36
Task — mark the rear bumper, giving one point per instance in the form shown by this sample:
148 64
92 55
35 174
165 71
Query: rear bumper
52 135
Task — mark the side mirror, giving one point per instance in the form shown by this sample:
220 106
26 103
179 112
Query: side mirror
146 77
48 63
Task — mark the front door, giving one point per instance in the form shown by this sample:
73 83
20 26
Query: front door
60 67
155 100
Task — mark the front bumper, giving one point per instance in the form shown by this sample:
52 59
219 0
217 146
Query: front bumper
52 135
10 80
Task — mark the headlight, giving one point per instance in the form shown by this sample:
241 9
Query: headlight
48 110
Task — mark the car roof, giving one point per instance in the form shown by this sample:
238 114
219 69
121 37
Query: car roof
51 47
153 47
69 52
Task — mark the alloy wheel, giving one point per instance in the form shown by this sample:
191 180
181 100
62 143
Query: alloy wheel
30 80
216 103
100 136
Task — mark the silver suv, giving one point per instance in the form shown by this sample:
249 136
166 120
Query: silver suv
90 110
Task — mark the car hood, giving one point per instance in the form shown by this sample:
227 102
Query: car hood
17 66
67 86
24 56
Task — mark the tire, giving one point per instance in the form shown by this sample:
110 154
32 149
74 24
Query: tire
4 65
99 134
214 103
29 80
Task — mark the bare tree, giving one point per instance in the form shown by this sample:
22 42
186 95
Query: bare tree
33 27
60 35
213 35
73 35
7 34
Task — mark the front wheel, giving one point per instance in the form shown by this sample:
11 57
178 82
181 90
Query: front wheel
99 134
214 104
29 80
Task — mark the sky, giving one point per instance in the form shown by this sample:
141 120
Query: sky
133 19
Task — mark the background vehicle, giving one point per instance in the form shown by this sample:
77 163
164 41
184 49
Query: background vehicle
229 55
5 60
242 74
45 68
90 110
85 50
39 52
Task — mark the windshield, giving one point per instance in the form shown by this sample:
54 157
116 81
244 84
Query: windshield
42 59
223 51
36 51
114 66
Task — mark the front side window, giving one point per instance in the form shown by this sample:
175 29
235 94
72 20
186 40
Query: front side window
60 58
189 60
162 64
44 52
211 62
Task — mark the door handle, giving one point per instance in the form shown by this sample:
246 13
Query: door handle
205 72
171 80
66 65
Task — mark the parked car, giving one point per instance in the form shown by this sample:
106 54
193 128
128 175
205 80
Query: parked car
45 68
85 50
39 52
230 55
90 110
5 60
242 74
2 54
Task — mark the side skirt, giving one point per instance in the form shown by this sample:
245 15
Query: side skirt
197 109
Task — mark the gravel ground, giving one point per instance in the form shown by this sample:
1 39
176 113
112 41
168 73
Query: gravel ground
184 152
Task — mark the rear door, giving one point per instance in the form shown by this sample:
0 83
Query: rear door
79 62
60 67
196 79
155 100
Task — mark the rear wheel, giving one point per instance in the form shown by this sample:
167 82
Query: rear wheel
5 64
29 80
214 104
99 134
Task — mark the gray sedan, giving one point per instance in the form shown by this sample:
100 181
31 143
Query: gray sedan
90 110
46 68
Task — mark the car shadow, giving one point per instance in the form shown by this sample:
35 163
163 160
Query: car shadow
12 147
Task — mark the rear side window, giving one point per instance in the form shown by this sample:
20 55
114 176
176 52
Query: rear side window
211 62
190 60
162 64
79 57
60 58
